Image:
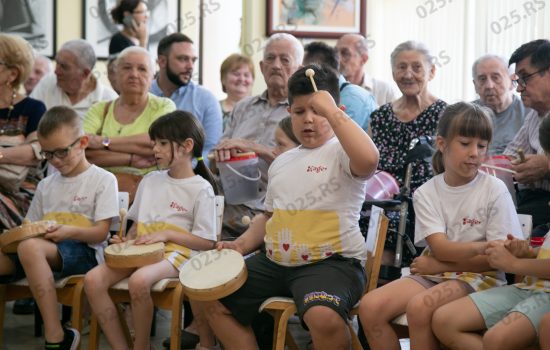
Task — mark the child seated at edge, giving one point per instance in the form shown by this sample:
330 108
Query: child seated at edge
82 199
313 246
176 206
457 212
511 314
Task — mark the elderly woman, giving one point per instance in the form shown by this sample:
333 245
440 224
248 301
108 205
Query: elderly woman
133 15
237 77
119 139
19 117
414 114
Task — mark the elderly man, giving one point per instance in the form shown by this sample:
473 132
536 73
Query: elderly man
254 120
42 66
353 51
533 82
493 83
176 59
358 102
73 83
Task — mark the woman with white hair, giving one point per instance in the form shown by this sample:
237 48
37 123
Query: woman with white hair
119 139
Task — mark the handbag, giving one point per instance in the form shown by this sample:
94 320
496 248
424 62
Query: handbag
11 175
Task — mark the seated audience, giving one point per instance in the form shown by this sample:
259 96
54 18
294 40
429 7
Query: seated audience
493 83
73 83
458 212
133 15
354 53
358 102
176 59
301 246
118 129
81 199
532 72
42 66
237 77
394 125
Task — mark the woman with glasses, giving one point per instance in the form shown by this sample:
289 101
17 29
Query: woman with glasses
19 117
133 15
118 129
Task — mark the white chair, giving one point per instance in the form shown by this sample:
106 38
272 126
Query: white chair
166 294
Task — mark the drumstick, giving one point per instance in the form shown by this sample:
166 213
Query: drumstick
498 168
310 73
122 230
245 220
521 155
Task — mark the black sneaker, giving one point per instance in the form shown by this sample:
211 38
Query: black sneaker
70 341
188 341
23 307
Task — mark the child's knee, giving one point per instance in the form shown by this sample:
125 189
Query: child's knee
138 286
92 281
494 339
28 249
418 311
371 308
323 319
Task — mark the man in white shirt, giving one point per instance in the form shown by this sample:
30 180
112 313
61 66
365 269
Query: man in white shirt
73 83
353 51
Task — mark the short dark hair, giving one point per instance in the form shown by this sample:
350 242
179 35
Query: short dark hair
124 5
325 79
56 117
322 54
544 135
538 50
165 43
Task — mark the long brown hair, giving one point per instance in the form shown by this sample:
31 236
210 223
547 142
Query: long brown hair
462 119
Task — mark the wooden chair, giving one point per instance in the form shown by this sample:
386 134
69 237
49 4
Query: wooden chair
167 294
282 308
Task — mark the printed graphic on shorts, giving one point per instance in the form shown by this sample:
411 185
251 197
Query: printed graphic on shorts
321 297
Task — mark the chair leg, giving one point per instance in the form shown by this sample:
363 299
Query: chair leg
175 325
280 330
2 310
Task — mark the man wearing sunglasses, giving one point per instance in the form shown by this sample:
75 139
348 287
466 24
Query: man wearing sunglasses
532 81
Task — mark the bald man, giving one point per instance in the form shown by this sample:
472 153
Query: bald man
353 52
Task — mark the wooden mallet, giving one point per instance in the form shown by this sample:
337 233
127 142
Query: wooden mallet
310 73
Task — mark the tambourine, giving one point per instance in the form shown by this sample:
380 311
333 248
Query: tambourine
213 274
9 240
129 255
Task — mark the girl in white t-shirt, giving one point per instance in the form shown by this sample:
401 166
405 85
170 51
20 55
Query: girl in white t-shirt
457 212
175 206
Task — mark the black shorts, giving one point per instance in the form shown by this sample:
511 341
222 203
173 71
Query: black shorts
336 282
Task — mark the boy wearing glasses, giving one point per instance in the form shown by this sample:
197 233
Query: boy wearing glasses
82 199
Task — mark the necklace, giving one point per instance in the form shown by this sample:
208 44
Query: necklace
6 128
11 106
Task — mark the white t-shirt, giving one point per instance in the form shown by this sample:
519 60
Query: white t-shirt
183 205
79 201
315 202
482 210
48 92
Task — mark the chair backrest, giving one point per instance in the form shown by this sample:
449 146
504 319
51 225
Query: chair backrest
123 202
376 237
526 222
219 215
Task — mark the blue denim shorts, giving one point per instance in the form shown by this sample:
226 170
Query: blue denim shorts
77 258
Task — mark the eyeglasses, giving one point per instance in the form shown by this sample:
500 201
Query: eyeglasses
522 81
59 153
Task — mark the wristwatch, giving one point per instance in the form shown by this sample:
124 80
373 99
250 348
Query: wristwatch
106 142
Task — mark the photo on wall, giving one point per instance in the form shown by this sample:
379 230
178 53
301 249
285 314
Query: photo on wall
98 25
33 20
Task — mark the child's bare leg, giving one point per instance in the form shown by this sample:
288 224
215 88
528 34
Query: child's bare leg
231 333
97 283
421 307
7 266
206 335
514 331
458 325
142 304
328 329
379 307
544 332
38 258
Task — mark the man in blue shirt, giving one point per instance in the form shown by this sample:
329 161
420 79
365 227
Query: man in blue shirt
359 103
176 59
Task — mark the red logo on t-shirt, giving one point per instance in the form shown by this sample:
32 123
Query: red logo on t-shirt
471 222
76 198
178 207
316 169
